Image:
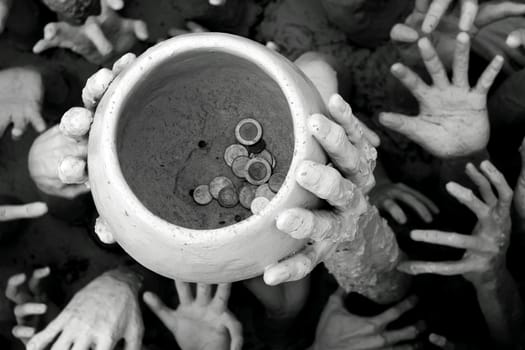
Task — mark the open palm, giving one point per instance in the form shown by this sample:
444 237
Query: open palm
453 119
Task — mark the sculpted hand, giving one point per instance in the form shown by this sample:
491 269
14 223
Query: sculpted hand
474 17
31 304
340 330
98 316
57 158
486 248
100 39
385 197
24 211
453 119
283 301
342 187
5 7
21 100
202 322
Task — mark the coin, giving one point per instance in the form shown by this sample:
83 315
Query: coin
258 204
266 155
258 171
276 181
217 184
234 151
264 191
248 132
228 197
239 166
202 195
246 195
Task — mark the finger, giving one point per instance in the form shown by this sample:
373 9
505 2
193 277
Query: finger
222 295
427 201
433 63
391 337
469 10
411 80
412 127
160 309
133 338
72 170
334 140
394 210
4 12
82 343
466 197
28 309
461 61
95 87
184 292
19 126
421 6
516 38
403 33
97 37
35 282
450 268
327 183
23 211
140 29
43 45
123 62
217 2
416 205
436 10
453 240
370 135
498 181
177 31
72 191
440 341
15 289
492 12
394 312
51 32
24 333
116 5
76 122
299 265
235 329
315 225
482 183
46 336
194 27
105 343
64 341
203 296
489 75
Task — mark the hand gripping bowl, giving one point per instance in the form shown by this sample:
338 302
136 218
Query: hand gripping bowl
161 130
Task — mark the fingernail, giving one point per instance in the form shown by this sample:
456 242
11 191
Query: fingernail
338 102
463 38
317 126
513 41
42 272
288 222
276 276
389 120
40 309
308 174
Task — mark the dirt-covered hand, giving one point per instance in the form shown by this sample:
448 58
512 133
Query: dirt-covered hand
340 330
57 158
388 195
453 119
21 100
202 322
30 300
486 247
343 186
100 39
98 316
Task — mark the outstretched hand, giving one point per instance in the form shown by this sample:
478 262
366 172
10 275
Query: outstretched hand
202 322
342 186
338 329
453 119
100 39
486 248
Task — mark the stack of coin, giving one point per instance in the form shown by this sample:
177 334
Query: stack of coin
249 160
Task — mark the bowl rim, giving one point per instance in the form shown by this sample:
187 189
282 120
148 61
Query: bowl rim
268 61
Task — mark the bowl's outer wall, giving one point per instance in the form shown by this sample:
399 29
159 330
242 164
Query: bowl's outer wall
227 254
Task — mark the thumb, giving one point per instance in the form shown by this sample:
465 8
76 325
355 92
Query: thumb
164 313
411 127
